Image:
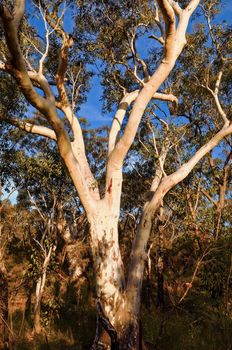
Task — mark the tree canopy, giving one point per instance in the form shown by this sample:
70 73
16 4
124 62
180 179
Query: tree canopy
132 217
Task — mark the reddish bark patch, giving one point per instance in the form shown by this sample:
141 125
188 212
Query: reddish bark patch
109 190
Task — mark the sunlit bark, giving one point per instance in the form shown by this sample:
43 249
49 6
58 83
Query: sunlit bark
120 300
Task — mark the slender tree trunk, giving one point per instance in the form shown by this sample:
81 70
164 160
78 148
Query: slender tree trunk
160 262
37 307
4 333
131 331
4 328
148 294
37 318
222 185
160 282
40 284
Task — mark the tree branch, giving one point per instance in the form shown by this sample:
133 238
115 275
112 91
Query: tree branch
169 17
214 94
176 7
150 208
17 64
30 127
46 106
159 39
67 42
137 58
118 118
159 24
207 195
121 112
180 174
175 41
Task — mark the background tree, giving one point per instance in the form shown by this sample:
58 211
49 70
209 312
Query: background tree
120 301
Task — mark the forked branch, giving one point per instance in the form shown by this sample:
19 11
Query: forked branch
47 106
175 41
122 109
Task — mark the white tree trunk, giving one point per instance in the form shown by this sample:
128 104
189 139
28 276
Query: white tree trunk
108 264
40 284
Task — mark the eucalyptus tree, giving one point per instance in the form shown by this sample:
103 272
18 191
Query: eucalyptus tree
50 202
4 283
53 87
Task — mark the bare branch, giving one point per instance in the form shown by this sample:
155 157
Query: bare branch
63 64
159 39
169 17
46 106
30 127
19 9
208 20
218 82
44 55
36 206
221 111
151 127
180 174
198 195
191 7
198 265
136 56
176 7
17 67
184 19
121 112
136 60
118 118
159 24
160 172
175 41
52 17
210 198
166 97
162 121
73 77
215 93
67 42
43 83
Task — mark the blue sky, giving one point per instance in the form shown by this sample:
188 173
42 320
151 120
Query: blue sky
92 108
12 197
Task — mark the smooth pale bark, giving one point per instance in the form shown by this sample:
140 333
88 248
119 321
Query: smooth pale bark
121 304
175 41
107 261
174 44
46 105
122 109
136 267
40 284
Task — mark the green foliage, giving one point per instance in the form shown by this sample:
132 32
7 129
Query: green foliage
214 275
46 199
